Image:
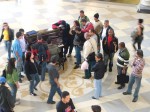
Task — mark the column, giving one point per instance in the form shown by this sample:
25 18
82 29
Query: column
144 6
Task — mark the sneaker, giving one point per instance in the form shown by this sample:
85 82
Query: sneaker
135 99
126 93
17 102
53 102
121 87
76 66
93 97
36 89
69 55
33 94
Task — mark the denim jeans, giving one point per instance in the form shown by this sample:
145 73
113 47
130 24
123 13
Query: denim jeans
78 54
88 71
137 80
43 70
109 57
13 90
19 67
8 48
53 90
98 88
34 82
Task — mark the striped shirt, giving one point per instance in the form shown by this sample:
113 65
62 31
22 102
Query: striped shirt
137 67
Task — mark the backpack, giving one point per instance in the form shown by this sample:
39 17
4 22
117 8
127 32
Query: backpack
4 73
41 52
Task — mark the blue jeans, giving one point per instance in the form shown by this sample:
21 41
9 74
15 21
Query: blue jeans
78 54
137 80
8 48
13 90
98 88
109 57
53 90
34 82
43 70
88 71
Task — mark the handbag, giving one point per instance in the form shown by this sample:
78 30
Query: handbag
91 56
134 34
122 78
84 65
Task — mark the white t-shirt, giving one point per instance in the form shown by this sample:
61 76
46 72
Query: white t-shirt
23 44
104 32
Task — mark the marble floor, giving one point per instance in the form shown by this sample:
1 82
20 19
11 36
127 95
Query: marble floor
40 14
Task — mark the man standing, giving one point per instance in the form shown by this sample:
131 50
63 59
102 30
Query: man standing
136 75
53 77
86 25
66 104
17 51
110 47
82 16
122 62
8 36
42 55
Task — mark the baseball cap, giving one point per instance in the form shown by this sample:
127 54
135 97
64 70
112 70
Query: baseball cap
2 80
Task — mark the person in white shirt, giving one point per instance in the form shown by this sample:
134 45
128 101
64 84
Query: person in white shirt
89 47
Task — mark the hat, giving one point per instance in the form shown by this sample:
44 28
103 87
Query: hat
96 15
2 80
99 55
96 108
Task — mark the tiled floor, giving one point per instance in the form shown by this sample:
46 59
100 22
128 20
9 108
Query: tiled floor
40 14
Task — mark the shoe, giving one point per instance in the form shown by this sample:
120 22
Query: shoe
117 83
20 81
17 102
53 102
69 55
126 93
76 66
93 97
75 62
135 99
85 77
36 89
121 87
110 69
33 94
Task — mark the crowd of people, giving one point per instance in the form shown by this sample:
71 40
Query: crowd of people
96 43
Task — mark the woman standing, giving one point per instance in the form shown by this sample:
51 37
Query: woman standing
99 71
32 72
12 78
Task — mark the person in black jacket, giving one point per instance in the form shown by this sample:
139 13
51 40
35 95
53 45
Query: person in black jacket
99 71
8 36
7 102
110 47
32 72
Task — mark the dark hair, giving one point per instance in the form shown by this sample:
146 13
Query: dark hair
96 15
21 30
83 20
28 56
140 20
106 20
122 44
96 108
112 31
81 11
64 94
54 59
18 34
77 23
39 36
5 23
10 66
99 55
77 28
92 30
140 53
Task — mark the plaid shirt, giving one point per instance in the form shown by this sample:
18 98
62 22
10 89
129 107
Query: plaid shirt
137 67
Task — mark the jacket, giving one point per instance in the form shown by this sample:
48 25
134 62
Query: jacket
11 34
79 39
6 100
112 48
87 27
109 27
99 70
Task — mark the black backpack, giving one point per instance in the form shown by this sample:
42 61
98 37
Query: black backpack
42 55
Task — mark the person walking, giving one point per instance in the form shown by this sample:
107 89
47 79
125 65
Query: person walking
7 102
17 51
99 71
140 31
110 47
8 36
12 78
122 62
32 72
136 75
53 79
